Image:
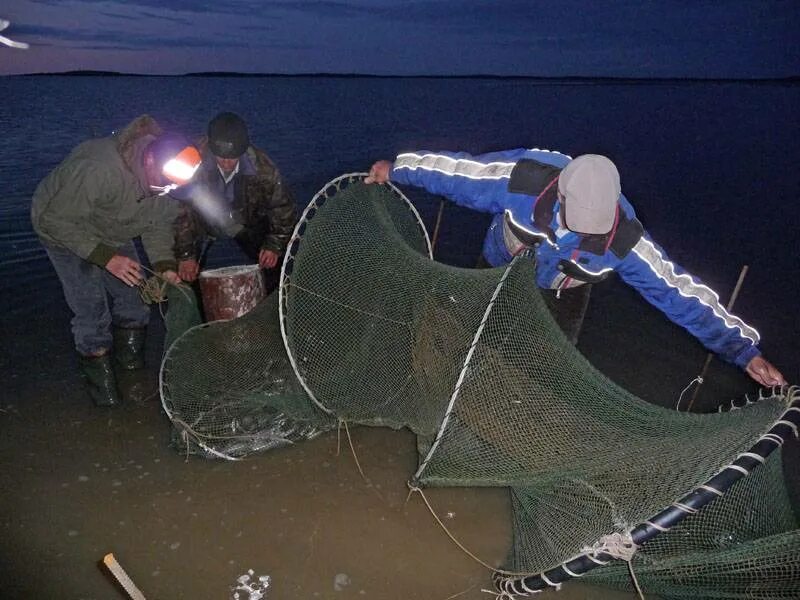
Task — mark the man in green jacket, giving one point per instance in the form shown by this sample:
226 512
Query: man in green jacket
238 198
87 212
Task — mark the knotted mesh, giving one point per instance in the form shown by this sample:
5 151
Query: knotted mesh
377 333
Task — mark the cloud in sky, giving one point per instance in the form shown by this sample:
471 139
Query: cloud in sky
703 38
107 40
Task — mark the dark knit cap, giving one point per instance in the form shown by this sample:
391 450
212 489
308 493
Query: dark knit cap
227 135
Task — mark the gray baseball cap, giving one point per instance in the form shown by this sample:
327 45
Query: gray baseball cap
590 185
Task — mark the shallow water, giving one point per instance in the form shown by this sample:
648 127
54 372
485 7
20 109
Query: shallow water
698 161
78 482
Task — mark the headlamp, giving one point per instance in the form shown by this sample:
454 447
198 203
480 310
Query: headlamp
180 169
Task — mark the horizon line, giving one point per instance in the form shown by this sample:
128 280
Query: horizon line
101 73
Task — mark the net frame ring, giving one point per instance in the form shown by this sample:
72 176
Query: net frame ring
326 193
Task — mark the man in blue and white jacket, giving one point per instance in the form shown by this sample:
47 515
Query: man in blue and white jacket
572 212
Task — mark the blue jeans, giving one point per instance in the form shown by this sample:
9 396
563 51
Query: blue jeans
88 289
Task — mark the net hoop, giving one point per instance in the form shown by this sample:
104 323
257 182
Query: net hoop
786 426
163 390
326 193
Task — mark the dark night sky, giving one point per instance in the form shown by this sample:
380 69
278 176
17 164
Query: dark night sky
636 38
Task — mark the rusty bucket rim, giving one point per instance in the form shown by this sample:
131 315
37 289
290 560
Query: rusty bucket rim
231 271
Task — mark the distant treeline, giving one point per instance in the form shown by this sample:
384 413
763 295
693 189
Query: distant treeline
565 79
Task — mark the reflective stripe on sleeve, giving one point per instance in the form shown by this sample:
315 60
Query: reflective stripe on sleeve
461 167
687 287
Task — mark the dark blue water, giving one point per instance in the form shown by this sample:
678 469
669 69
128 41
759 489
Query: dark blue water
712 168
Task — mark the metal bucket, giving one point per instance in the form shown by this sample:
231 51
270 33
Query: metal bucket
230 292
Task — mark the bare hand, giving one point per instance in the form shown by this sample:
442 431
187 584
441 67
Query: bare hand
125 269
267 259
171 276
764 372
379 172
188 269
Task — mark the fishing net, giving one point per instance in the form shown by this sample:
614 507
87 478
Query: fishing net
743 546
228 387
377 333
183 313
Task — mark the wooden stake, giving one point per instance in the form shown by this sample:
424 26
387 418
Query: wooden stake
119 573
710 356
435 236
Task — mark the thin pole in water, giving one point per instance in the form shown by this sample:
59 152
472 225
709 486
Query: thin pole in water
710 356
438 224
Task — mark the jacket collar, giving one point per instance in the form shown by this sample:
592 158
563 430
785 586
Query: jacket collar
545 209
246 164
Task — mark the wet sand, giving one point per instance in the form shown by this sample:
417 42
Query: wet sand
77 482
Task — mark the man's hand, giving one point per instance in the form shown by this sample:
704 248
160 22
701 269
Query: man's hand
764 372
172 277
188 269
124 268
267 259
379 172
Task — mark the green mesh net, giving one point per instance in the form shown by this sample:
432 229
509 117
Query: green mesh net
228 387
183 313
743 546
376 333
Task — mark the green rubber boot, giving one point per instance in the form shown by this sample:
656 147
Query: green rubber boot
98 372
129 348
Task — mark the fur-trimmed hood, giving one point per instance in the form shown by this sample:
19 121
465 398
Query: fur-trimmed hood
133 139
98 199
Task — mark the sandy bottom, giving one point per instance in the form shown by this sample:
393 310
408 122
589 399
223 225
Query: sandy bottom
77 482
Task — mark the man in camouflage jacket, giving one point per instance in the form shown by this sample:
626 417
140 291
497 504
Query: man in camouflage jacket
238 193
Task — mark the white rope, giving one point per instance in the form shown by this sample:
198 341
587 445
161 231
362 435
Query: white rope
635 581
413 488
791 425
738 468
698 380
618 545
753 455
655 526
711 489
550 583
772 437
687 509
503 595
596 560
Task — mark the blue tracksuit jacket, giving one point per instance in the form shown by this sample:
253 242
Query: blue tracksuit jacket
520 188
